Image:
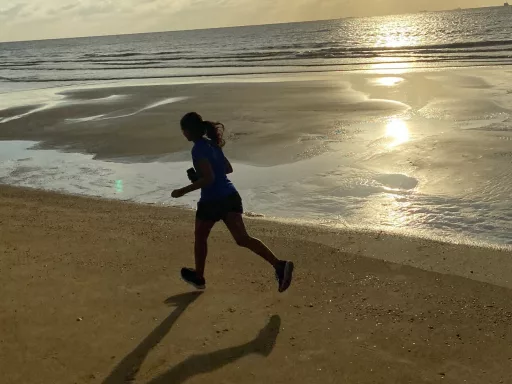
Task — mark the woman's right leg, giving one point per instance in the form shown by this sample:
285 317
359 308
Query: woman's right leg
284 269
202 232
235 223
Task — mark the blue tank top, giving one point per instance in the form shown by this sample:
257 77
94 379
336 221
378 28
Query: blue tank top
221 186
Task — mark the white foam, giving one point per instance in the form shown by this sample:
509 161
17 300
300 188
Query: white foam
151 106
32 111
56 100
110 117
85 119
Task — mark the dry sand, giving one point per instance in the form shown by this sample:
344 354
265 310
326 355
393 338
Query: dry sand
91 294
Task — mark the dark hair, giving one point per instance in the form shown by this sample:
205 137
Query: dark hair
194 123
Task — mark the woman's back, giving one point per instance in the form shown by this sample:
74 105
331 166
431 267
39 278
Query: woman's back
221 187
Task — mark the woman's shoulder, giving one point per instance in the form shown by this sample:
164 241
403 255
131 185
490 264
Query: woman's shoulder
202 146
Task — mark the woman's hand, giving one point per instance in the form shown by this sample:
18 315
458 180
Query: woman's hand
206 179
177 193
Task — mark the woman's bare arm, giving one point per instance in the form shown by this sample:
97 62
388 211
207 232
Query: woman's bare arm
206 179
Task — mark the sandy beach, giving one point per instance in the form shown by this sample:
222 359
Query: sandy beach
91 294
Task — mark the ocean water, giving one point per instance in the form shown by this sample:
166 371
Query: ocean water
425 40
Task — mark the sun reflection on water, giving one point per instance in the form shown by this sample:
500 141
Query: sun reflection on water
394 34
388 81
397 212
397 131
392 66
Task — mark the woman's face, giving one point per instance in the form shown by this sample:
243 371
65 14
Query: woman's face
187 134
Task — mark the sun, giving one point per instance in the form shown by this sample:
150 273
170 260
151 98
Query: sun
398 131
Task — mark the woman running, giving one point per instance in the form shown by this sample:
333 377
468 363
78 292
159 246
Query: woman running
219 201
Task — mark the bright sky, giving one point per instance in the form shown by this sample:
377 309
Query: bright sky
39 19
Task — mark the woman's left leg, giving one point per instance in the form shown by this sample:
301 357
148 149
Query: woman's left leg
195 277
202 232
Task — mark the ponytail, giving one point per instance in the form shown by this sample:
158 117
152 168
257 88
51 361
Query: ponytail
194 123
215 132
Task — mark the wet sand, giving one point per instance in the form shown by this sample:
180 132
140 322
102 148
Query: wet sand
91 294
268 123
298 118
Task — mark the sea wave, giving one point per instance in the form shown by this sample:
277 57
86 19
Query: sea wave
302 49
252 72
285 61
131 54
267 64
475 50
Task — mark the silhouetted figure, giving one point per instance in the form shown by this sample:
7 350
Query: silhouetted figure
219 201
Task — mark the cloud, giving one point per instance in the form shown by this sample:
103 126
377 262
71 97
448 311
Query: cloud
85 8
12 11
97 8
62 10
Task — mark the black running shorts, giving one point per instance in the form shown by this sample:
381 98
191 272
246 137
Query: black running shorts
216 210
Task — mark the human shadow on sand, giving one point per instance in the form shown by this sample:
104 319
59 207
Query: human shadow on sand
127 369
263 345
